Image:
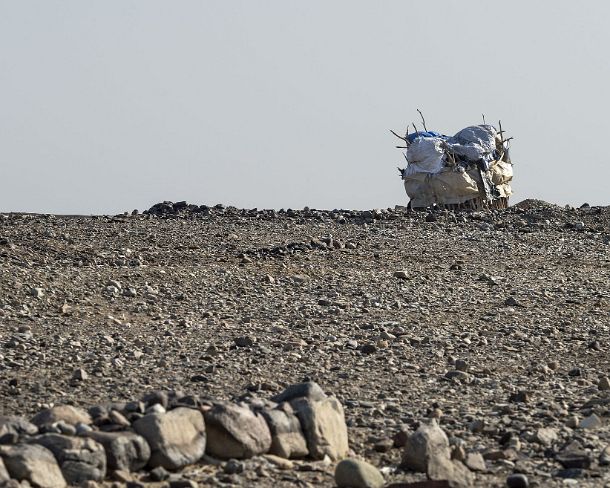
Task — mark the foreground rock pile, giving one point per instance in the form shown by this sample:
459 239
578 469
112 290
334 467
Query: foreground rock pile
461 349
165 432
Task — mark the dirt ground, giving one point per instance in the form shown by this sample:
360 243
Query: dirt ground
496 323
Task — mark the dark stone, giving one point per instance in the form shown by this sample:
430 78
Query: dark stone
517 480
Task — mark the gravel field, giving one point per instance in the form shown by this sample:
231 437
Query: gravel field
496 324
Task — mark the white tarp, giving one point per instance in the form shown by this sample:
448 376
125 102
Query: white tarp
475 142
424 155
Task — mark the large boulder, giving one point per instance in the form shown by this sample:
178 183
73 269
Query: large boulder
235 431
125 451
176 438
287 438
80 459
323 424
66 413
33 463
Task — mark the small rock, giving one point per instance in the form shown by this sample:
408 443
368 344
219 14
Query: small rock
80 375
604 457
604 383
461 365
401 275
368 348
233 466
352 473
244 341
590 422
475 461
183 484
574 459
546 436
517 480
159 474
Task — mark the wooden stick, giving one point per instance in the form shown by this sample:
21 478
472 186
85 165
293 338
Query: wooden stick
484 123
400 137
423 120
501 132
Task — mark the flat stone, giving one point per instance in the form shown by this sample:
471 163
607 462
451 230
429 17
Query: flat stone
287 438
546 436
475 461
590 422
124 450
323 424
80 459
176 438
574 459
352 473
67 413
33 463
278 461
236 432
604 383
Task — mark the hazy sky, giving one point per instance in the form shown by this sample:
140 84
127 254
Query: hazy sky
106 106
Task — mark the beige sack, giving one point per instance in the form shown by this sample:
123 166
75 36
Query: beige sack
445 188
501 172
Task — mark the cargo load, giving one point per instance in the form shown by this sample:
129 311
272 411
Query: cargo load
471 169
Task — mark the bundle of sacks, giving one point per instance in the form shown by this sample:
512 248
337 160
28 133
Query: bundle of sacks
450 170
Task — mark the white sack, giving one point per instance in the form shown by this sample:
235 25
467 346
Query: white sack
424 155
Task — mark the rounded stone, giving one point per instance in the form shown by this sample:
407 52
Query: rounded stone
517 480
353 473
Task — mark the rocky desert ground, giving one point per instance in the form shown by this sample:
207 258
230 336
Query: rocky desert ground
455 348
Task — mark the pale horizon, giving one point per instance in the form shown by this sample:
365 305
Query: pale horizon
113 106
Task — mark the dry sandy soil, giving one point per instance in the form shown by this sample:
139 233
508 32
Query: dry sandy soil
381 308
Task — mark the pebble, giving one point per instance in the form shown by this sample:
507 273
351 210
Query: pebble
517 481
